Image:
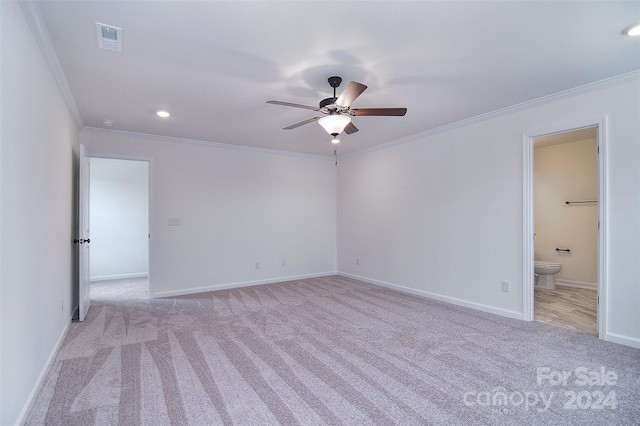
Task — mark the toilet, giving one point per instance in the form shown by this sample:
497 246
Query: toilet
546 271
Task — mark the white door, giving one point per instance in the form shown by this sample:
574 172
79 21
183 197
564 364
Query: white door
83 234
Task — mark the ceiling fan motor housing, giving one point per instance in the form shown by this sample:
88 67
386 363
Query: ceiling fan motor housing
329 102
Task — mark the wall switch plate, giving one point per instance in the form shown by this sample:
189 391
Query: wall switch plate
173 221
506 286
357 261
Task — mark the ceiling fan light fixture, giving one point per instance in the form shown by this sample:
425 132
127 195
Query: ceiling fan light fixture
335 123
632 30
335 139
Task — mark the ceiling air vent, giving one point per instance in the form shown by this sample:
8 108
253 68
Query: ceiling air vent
109 37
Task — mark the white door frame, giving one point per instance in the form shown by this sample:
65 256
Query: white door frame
150 232
84 234
528 217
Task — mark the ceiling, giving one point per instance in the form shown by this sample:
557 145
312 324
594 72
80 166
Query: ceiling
214 64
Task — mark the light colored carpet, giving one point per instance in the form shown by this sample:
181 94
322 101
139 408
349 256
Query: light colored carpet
329 351
121 289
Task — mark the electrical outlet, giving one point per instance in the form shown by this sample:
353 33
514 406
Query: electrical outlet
506 286
283 263
257 265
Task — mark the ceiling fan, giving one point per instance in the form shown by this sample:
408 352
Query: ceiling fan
337 110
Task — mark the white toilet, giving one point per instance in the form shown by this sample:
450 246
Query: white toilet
546 271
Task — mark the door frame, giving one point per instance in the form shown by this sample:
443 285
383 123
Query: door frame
528 256
84 232
149 160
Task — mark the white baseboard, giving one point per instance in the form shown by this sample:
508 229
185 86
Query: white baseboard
43 373
579 284
118 277
623 340
438 297
237 285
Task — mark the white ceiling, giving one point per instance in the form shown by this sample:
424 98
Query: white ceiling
214 64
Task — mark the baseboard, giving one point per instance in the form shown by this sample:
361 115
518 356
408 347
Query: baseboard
45 370
118 277
454 301
578 284
623 340
237 285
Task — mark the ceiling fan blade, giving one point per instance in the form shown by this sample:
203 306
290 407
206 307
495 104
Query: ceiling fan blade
350 93
302 123
312 108
379 111
351 128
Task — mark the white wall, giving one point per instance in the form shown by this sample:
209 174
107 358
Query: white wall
237 207
441 214
39 150
567 172
119 218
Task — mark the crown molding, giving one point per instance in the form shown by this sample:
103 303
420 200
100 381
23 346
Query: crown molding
565 94
42 37
197 142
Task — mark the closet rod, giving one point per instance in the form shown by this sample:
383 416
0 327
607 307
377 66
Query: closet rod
580 202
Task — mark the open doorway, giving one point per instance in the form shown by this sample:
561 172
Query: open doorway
596 206
119 217
566 229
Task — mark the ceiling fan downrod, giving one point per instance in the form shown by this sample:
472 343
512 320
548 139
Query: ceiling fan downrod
334 82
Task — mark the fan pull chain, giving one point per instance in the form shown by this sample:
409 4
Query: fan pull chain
335 154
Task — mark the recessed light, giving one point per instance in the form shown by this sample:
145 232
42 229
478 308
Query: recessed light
163 114
632 30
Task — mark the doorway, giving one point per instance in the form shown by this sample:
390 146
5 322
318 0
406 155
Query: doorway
119 217
584 266
566 229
